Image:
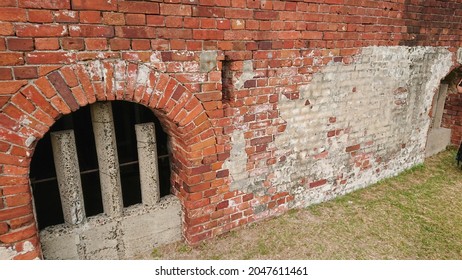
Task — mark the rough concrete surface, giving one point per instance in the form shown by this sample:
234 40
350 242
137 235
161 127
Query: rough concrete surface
352 125
137 232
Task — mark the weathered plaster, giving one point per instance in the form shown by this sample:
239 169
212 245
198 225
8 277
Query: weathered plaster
136 232
352 125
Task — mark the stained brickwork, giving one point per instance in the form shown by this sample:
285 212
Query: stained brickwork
269 105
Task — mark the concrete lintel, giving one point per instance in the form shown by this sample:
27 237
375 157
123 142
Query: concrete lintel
68 175
147 158
108 161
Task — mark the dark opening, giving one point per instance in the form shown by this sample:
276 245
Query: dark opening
43 174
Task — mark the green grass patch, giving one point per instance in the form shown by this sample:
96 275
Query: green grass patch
415 215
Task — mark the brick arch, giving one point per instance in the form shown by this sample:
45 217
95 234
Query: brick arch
34 108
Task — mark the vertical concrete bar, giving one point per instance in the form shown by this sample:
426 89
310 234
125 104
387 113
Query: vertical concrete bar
442 94
147 158
108 161
68 174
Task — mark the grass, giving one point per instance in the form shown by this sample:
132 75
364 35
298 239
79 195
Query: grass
416 215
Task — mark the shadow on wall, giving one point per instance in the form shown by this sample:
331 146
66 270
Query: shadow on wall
452 113
427 22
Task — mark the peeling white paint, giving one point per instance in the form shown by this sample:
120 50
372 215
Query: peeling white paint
29 141
7 253
74 28
143 74
247 74
155 57
361 97
94 69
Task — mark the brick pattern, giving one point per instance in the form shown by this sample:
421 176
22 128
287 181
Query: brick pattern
59 55
452 114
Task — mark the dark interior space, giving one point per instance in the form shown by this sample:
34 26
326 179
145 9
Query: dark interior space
43 174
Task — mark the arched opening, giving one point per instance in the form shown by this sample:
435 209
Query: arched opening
44 181
446 115
119 232
452 113
99 176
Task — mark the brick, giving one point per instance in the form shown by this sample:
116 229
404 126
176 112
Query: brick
91 31
8 3
86 84
140 7
61 87
352 148
141 44
40 16
26 72
69 76
174 33
66 16
135 19
46 69
239 13
5 74
60 105
6 28
261 140
3 228
20 44
99 5
43 30
118 44
8 87
174 22
73 44
18 235
49 58
11 59
96 44
222 205
154 20
45 4
318 183
45 87
12 14
79 95
11 213
47 44
175 9
135 32
18 200
223 24
208 34
266 15
32 255
112 18
91 17
202 11
22 103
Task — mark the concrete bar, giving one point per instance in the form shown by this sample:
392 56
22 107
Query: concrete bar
147 158
108 161
438 116
68 175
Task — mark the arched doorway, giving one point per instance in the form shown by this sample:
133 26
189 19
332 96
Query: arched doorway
446 115
100 178
43 101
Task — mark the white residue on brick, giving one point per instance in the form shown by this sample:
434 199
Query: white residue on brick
143 74
155 57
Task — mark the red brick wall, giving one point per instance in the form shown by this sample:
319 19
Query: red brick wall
44 43
452 114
